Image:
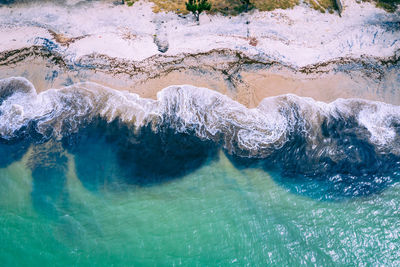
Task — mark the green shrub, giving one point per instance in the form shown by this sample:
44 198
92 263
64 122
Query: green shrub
388 5
197 6
245 4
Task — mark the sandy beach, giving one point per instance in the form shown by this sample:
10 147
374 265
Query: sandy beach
299 50
248 87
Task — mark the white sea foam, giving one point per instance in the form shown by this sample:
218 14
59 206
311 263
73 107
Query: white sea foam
208 114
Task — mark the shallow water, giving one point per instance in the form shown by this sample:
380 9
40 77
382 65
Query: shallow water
216 215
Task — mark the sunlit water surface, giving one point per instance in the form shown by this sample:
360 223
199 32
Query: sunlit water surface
216 215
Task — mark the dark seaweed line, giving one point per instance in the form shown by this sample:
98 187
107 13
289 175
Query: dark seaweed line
15 56
225 61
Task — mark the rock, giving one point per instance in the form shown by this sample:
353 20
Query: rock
161 43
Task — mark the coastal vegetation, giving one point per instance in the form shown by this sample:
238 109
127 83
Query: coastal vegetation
235 7
322 5
245 5
197 6
225 7
388 5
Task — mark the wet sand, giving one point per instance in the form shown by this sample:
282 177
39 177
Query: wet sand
255 86
247 87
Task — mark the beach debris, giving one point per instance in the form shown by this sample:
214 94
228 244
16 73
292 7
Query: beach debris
64 40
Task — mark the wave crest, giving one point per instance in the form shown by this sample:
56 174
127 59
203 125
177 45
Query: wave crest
348 139
209 114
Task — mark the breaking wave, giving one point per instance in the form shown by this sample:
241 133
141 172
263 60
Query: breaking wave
350 145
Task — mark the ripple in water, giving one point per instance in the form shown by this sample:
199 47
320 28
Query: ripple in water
89 175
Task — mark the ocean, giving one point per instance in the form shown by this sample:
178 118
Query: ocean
94 176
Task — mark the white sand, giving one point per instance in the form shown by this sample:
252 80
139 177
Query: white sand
298 36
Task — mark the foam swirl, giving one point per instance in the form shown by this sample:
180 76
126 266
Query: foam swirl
209 114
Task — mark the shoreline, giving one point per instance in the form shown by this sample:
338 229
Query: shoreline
248 57
242 78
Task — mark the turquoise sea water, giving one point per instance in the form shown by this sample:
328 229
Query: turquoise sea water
216 215
90 176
